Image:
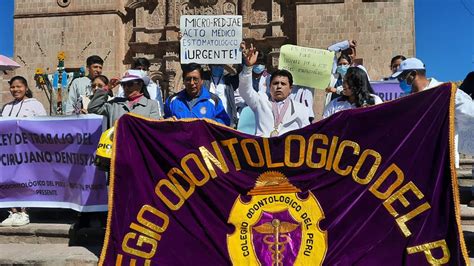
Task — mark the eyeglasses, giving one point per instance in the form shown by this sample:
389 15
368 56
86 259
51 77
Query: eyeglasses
193 79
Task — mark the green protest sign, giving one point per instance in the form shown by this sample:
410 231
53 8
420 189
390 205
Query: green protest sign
310 67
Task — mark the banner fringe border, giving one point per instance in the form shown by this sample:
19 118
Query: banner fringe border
454 176
103 253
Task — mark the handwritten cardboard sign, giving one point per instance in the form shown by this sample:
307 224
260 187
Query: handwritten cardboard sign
211 39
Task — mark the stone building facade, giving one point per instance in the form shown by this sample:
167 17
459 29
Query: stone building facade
121 30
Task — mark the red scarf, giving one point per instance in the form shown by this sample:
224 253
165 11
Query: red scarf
134 100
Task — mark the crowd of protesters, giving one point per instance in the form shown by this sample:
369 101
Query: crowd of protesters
279 106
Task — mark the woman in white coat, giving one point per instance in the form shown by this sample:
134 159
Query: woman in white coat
23 105
357 92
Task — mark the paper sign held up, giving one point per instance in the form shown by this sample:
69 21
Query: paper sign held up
310 67
211 39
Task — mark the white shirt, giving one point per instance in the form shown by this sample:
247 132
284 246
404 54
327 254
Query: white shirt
338 47
463 121
219 90
26 108
263 85
305 97
295 117
338 105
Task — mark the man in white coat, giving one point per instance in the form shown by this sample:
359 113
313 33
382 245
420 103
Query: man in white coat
275 115
412 77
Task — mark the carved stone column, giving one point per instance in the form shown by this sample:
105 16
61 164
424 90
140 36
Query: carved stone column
157 75
170 13
140 25
277 20
274 57
245 13
172 73
172 21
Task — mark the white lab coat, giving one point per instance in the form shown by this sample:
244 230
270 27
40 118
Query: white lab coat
338 105
296 116
463 121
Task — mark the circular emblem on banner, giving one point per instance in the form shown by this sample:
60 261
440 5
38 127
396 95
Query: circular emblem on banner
276 227
203 110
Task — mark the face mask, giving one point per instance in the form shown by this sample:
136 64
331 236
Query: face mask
258 69
217 71
405 87
342 70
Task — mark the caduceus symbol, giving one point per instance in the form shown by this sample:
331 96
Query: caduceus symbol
276 236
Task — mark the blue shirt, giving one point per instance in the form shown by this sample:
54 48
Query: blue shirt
207 105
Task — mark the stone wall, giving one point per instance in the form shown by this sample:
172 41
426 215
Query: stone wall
5 95
121 30
83 28
382 29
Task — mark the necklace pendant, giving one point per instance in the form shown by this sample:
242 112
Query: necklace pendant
274 133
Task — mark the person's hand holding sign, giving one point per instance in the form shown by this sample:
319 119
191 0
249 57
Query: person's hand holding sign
352 43
250 55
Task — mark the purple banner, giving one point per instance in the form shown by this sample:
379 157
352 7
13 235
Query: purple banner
49 162
367 186
387 90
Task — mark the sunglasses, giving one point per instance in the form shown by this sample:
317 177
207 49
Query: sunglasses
404 76
129 83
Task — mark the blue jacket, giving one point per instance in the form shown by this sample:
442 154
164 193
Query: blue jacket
208 106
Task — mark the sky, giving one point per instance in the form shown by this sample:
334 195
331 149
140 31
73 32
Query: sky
444 31
6 27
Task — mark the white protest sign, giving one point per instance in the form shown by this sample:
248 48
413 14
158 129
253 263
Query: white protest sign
211 39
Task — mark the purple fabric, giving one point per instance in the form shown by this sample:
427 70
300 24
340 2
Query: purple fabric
49 163
289 250
412 133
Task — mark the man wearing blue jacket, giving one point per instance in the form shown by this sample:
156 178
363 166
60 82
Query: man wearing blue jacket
195 101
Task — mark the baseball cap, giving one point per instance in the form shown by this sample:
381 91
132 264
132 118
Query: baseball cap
134 74
409 64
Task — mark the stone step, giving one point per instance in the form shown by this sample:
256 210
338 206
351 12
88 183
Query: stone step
466 161
467 213
465 222
46 254
468 227
464 173
468 182
36 233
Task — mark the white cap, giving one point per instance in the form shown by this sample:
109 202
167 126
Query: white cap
409 64
134 74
